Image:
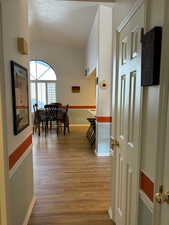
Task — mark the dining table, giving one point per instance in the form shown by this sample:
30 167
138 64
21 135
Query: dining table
57 115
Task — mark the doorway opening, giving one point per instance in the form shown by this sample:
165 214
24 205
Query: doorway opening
65 165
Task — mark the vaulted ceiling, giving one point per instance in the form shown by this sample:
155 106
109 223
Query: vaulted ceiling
65 23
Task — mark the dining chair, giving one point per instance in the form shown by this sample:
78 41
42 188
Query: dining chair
67 120
91 133
57 104
36 119
63 119
59 115
50 116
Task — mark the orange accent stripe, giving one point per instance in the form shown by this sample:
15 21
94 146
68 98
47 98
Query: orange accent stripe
22 107
82 107
147 186
104 119
16 155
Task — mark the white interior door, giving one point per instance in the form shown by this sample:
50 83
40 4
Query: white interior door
128 120
164 218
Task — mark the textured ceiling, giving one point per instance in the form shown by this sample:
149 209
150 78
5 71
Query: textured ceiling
65 23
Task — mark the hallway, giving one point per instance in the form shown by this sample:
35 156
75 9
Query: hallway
71 183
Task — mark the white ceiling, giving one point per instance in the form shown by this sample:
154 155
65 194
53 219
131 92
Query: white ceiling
65 23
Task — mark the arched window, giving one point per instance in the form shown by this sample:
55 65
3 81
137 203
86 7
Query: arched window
43 83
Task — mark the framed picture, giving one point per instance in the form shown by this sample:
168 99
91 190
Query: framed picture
20 97
75 89
151 57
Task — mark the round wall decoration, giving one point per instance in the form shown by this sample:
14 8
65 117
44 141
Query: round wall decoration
103 84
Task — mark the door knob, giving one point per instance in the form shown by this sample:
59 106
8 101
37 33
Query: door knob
115 143
161 196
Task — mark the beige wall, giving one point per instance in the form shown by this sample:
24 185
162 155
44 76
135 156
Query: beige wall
69 64
21 191
20 185
13 27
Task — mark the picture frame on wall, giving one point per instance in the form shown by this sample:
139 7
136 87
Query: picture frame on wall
151 57
75 89
19 75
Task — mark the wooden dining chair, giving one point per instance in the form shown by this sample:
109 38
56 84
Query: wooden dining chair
58 114
91 133
36 120
50 116
63 119
66 124
57 104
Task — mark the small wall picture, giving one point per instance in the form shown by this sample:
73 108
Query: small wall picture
75 89
20 97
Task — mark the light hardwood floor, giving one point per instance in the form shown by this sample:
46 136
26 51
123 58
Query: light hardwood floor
72 185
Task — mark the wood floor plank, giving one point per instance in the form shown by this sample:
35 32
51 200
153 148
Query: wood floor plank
72 185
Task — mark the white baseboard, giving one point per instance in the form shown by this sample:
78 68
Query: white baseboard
146 201
110 213
103 154
28 214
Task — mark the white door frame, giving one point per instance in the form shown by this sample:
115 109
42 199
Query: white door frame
163 106
3 151
135 8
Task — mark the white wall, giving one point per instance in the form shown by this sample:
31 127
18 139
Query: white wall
69 64
105 60
13 27
99 57
91 54
15 24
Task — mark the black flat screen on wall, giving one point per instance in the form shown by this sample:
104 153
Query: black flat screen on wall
151 57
